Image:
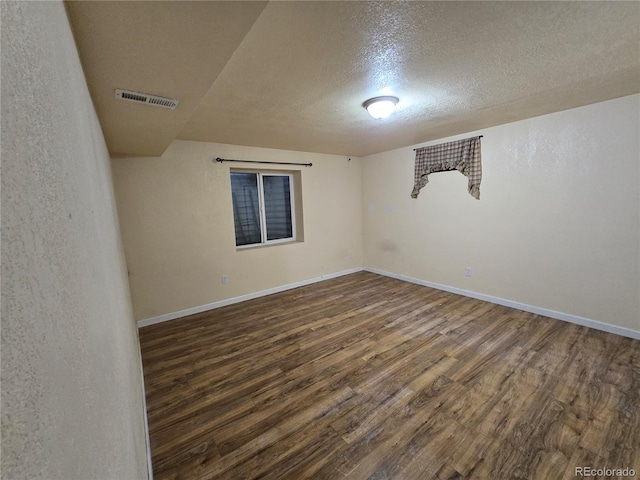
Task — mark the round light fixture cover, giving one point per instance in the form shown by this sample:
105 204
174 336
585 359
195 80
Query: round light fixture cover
380 107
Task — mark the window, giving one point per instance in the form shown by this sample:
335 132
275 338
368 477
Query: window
263 208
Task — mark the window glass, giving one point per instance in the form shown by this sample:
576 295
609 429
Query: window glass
262 208
246 208
277 206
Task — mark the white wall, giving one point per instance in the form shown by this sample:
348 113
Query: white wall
557 225
178 231
71 384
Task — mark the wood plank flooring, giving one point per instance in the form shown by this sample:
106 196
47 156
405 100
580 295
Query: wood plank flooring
367 377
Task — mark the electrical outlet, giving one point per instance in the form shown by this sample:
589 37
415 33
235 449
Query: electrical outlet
350 254
468 271
225 279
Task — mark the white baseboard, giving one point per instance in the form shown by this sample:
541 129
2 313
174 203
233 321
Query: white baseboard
567 317
586 322
242 298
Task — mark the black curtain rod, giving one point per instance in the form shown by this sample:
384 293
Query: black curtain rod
472 137
220 160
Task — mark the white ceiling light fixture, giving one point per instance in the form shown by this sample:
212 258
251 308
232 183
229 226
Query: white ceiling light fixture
381 107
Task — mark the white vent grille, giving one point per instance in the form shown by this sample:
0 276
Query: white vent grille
138 97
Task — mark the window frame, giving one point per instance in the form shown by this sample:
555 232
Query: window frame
263 217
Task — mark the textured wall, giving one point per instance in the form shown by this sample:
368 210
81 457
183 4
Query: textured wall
178 233
556 227
71 383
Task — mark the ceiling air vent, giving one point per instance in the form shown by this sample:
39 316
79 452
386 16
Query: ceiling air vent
146 98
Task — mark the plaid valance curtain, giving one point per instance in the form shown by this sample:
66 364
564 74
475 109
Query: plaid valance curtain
462 155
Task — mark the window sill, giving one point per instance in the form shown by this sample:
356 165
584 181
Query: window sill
266 245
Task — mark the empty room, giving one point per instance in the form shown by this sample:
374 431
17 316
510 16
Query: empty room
320 240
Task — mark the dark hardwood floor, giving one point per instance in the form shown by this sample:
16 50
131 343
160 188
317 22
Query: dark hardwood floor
367 377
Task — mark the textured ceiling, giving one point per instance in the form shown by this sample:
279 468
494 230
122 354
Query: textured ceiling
293 75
